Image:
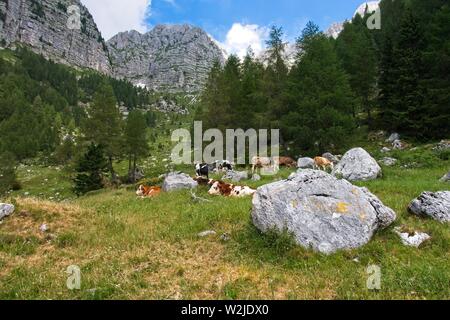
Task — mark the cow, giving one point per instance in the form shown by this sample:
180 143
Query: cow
260 162
230 190
285 162
323 163
202 170
148 192
223 165
203 181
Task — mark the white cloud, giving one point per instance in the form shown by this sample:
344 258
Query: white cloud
240 37
114 16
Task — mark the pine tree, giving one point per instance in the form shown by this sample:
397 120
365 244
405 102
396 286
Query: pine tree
136 145
407 105
356 49
275 77
90 169
104 125
319 98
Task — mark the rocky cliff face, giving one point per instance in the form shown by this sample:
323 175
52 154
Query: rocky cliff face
42 25
168 58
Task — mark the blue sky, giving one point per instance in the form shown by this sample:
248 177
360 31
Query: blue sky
235 24
218 16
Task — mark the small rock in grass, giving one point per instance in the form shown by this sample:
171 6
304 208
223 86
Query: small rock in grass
414 240
388 162
208 233
225 237
446 178
256 177
433 205
43 228
6 210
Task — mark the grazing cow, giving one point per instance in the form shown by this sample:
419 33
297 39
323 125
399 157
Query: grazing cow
148 192
285 162
223 165
260 162
202 170
323 163
230 190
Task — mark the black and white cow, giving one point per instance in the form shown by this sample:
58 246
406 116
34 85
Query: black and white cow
224 165
202 170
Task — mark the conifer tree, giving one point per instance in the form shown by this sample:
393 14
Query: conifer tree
136 145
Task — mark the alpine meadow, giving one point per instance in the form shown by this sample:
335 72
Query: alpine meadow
322 171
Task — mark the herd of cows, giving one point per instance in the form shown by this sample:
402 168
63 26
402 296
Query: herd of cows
220 188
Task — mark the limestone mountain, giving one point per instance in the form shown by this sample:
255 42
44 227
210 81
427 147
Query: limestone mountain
42 25
167 58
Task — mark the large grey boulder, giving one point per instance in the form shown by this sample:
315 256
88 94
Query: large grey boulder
178 181
305 163
446 178
433 205
6 210
357 165
321 211
236 176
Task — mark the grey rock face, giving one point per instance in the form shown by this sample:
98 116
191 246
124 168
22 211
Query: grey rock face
322 212
433 205
446 178
178 181
236 176
42 26
305 163
335 30
6 210
358 165
388 162
169 57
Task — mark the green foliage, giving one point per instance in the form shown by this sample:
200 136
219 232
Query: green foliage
8 177
318 96
90 169
136 145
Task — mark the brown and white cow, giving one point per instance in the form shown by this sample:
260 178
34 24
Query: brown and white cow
261 162
220 188
322 163
148 192
285 162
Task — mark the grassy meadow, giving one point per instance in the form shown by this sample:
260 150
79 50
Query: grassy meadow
129 248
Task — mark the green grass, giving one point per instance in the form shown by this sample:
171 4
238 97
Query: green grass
128 248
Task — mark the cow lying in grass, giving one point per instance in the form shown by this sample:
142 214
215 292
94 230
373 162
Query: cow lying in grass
229 190
285 162
321 163
148 192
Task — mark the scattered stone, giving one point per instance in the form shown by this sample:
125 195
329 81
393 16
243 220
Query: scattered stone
225 237
208 233
446 178
443 145
358 165
398 145
6 210
393 137
305 163
236 176
256 177
433 205
385 150
43 228
412 240
388 162
178 181
331 157
321 211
